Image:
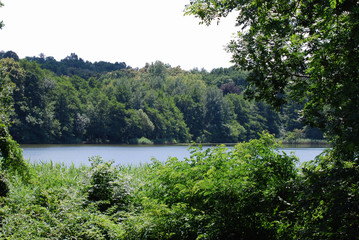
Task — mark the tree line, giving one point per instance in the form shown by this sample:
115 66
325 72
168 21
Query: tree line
73 101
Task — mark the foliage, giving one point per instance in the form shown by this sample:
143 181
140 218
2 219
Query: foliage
74 66
144 140
11 153
160 103
53 207
306 51
6 89
293 137
106 187
327 203
220 194
299 50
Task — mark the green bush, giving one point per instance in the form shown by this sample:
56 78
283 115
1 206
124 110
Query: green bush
53 207
220 194
107 187
144 140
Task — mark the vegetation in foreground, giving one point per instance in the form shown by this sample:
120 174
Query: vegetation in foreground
252 191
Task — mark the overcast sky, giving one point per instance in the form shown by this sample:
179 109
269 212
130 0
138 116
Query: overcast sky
131 31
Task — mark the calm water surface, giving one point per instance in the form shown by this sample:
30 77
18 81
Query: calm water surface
124 155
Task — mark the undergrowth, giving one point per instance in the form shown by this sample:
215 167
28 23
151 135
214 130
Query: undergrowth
252 191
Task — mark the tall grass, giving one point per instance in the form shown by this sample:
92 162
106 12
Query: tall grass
249 192
51 206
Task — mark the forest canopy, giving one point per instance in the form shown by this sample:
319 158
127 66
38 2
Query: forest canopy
112 103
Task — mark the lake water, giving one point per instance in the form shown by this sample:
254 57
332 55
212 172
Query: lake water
124 154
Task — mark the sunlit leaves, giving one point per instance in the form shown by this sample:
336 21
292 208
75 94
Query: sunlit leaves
226 190
303 50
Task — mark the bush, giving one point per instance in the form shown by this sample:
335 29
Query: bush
221 194
144 140
107 187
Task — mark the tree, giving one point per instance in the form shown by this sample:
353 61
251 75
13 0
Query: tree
98 113
11 154
169 125
219 118
299 50
306 51
11 54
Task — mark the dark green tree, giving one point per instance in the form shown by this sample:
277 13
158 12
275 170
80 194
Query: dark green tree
11 54
299 50
169 125
98 113
117 122
67 107
219 118
193 114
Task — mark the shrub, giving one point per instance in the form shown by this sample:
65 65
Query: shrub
107 187
144 140
222 194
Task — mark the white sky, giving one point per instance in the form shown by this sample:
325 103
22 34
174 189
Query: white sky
131 31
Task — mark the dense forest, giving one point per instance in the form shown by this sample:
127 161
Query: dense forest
75 101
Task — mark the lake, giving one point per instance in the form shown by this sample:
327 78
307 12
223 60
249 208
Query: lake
126 154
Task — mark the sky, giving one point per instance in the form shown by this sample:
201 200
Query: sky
133 31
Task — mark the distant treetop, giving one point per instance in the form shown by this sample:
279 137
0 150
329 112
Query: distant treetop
70 65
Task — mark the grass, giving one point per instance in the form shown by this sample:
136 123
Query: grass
248 192
52 206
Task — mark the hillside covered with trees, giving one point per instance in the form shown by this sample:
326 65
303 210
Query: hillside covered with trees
74 101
